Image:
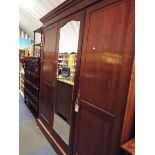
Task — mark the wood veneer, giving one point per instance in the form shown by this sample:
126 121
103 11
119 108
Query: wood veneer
48 68
104 66
48 105
64 100
129 118
107 57
79 16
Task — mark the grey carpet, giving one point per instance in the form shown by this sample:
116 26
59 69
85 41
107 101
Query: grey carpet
31 139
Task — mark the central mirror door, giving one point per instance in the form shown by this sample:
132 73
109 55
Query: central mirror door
66 67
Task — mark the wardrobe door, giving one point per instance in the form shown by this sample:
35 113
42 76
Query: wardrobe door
107 57
48 75
70 32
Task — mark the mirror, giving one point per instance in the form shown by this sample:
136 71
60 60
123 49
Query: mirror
67 55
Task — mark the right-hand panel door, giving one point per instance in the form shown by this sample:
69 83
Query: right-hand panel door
107 58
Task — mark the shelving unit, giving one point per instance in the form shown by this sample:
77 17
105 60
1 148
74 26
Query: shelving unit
67 60
22 82
37 47
72 63
31 82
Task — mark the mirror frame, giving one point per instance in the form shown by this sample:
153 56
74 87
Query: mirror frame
79 16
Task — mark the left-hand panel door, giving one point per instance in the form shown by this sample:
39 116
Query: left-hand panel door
48 73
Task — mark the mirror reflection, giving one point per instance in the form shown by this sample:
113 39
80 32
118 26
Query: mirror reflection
67 55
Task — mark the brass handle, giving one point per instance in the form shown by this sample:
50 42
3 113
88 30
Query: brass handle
77 102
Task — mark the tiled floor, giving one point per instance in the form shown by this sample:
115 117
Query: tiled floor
31 139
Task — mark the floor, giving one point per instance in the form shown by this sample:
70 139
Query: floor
31 139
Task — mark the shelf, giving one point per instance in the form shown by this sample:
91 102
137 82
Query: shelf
36 87
31 81
22 85
22 80
22 72
22 93
30 94
66 81
31 102
33 74
38 45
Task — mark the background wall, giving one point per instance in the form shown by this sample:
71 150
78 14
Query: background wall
25 40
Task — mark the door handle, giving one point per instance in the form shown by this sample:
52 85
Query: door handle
77 102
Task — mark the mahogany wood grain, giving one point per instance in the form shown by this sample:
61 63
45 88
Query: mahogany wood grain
48 96
129 147
105 71
107 58
79 16
65 9
68 8
64 100
126 71
129 118
47 75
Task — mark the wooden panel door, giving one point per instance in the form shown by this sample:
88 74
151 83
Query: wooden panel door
48 73
107 57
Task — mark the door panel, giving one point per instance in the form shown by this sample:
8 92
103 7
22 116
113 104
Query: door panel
100 81
96 131
46 103
107 58
48 70
66 90
104 49
50 39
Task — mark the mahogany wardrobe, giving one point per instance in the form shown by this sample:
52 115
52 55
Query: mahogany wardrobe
86 67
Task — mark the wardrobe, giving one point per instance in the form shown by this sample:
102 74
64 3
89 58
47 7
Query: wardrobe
87 63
